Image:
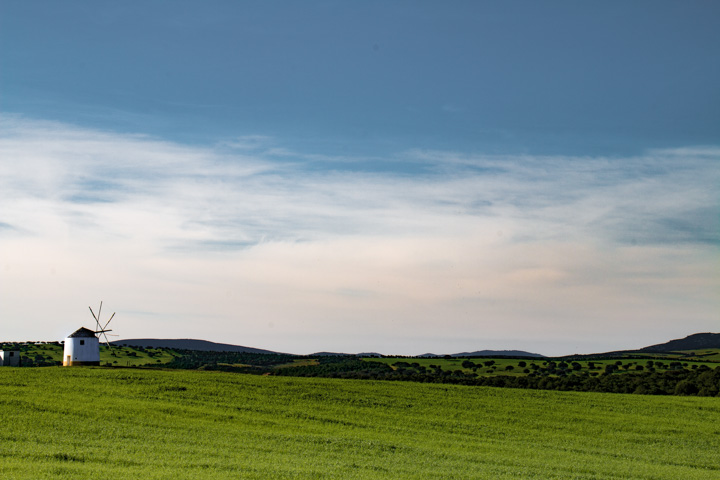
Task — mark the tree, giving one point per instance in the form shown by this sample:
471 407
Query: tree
686 387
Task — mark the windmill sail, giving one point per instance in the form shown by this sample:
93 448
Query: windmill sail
102 330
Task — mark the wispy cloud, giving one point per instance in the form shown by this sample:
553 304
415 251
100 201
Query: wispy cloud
295 256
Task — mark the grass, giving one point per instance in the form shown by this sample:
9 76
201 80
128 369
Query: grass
154 424
132 356
303 362
709 354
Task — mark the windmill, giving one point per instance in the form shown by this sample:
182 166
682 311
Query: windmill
102 329
82 347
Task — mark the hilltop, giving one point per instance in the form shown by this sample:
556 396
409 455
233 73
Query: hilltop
684 346
188 344
691 342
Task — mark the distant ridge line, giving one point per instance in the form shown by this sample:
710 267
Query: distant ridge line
189 344
696 341
489 353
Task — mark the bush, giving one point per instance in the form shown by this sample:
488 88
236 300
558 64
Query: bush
685 387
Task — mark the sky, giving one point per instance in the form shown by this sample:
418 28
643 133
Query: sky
395 177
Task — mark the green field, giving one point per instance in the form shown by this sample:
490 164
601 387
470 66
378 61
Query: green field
709 354
130 423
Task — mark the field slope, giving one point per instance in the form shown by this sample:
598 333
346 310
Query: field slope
151 424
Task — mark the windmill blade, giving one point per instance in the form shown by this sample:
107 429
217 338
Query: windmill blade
102 330
108 322
107 342
96 318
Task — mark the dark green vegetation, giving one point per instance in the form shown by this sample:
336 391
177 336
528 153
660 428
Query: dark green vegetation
137 423
234 361
669 373
614 376
637 375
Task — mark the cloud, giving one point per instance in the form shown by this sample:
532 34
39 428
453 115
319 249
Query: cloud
248 142
469 251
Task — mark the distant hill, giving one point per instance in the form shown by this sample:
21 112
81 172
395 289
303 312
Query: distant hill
498 353
697 341
188 344
490 353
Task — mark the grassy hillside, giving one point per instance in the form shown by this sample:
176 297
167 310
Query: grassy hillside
707 354
46 353
115 423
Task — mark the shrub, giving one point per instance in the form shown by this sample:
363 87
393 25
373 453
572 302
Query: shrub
685 387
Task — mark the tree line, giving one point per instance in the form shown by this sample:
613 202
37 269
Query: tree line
702 381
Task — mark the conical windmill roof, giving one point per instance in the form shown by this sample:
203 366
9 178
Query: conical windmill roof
82 332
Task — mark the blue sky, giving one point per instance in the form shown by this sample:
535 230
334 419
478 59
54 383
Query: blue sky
401 177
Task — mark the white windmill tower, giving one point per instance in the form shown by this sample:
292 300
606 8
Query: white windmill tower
82 347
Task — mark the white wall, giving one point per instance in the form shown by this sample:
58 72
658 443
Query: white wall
9 358
81 350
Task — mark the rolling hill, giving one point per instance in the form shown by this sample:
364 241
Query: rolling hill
697 341
691 342
188 344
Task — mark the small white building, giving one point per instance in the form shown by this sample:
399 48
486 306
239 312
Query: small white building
9 358
82 347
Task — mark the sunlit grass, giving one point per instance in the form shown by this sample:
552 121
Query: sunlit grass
108 423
